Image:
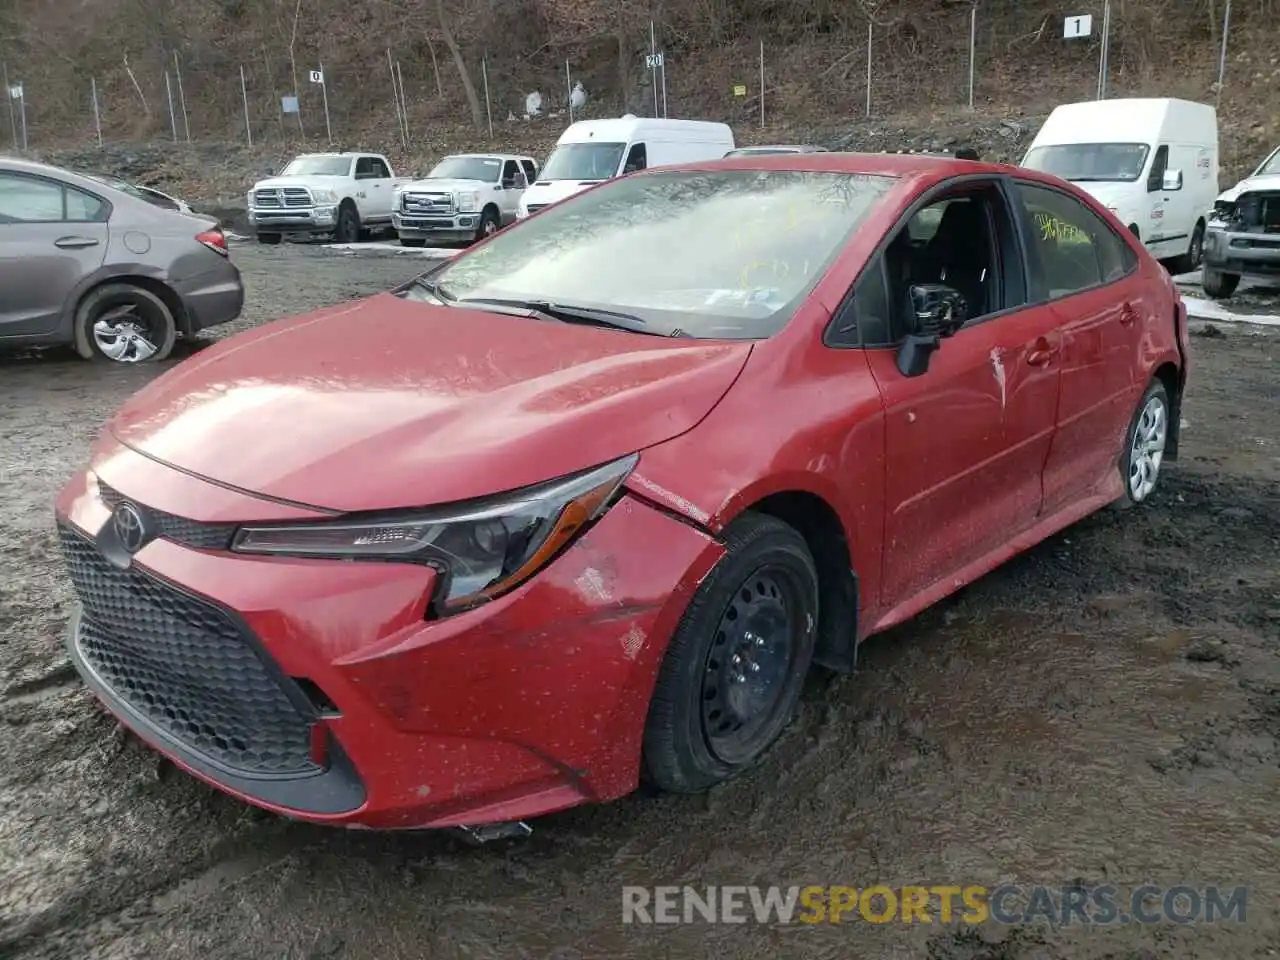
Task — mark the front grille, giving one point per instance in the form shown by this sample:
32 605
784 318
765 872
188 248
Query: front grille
282 197
189 533
426 204
185 666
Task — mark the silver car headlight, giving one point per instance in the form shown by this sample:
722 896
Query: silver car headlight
481 550
324 195
468 201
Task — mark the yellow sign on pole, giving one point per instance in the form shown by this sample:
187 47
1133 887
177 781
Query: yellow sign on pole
739 90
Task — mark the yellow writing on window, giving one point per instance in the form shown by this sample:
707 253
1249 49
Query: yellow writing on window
1055 228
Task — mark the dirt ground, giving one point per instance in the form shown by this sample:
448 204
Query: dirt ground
1104 709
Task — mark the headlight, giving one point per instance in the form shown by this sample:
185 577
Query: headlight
468 201
248 199
324 196
481 550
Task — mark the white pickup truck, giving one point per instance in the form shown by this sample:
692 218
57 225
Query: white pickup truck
342 194
465 197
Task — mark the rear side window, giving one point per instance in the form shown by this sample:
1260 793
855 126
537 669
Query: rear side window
1072 249
35 200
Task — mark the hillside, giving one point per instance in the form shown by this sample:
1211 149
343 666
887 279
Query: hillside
134 53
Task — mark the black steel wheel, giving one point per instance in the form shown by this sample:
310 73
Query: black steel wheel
731 678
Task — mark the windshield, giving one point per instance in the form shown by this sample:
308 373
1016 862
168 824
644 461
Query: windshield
583 161
1271 165
317 167
466 168
1090 161
723 255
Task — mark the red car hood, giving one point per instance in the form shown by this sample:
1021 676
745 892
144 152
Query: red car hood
387 403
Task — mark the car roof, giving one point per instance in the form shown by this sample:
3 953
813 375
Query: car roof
100 184
899 165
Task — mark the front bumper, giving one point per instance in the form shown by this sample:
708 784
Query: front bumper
293 220
445 228
211 298
319 690
1251 255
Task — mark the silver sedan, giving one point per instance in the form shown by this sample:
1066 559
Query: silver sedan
87 265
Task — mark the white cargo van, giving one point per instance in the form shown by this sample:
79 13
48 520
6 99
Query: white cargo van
594 150
1152 162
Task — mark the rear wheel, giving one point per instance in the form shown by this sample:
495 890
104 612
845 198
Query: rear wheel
1144 446
1195 252
1218 285
732 675
269 238
124 323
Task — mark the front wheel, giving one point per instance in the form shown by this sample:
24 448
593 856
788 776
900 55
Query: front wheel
1144 446
732 675
124 323
1195 253
1218 285
348 227
269 238
412 242
488 225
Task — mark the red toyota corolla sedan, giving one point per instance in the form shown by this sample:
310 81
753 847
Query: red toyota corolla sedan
583 506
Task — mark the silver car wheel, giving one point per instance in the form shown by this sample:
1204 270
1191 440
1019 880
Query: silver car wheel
122 336
1146 452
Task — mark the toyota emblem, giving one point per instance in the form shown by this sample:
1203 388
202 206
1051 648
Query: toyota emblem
129 527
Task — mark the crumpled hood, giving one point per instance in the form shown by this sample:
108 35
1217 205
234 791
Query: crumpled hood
1269 182
385 403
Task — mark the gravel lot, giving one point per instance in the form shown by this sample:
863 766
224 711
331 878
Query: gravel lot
1106 708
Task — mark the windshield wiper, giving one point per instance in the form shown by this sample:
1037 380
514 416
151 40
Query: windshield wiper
568 313
432 287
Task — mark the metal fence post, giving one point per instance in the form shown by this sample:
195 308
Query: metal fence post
173 121
653 71
182 97
761 84
97 117
1222 57
973 48
244 95
395 94
870 27
324 92
568 85
8 96
484 70
404 101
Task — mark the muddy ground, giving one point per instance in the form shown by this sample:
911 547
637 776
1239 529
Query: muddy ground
1103 709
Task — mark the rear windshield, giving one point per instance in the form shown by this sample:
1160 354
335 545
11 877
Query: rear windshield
1090 162
583 161
713 255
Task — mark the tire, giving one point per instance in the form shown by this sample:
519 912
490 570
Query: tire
347 229
1144 446
124 323
269 238
412 242
1218 285
489 224
1194 255
766 582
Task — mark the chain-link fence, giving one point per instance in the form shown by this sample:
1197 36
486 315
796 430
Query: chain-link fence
953 57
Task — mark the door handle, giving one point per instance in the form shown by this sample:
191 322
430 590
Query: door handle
75 243
1128 316
1040 354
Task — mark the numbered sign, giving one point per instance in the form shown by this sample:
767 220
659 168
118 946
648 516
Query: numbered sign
739 90
317 76
653 60
15 92
1075 27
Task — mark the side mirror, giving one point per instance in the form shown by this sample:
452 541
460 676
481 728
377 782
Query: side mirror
271 171
1172 180
938 311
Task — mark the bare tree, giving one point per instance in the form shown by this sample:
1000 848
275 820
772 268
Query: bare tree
459 61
